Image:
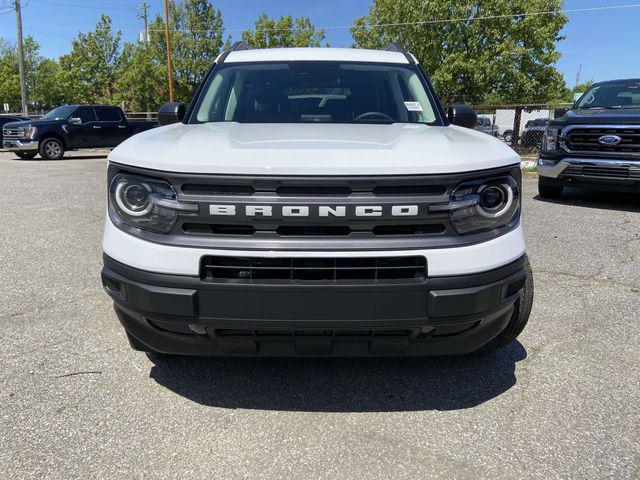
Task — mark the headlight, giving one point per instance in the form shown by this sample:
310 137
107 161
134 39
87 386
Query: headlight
550 140
483 205
30 131
146 203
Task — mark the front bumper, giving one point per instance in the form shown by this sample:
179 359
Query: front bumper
611 174
26 145
183 315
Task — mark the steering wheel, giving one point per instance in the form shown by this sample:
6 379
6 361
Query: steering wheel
366 115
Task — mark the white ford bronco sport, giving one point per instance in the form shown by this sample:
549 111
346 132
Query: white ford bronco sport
316 201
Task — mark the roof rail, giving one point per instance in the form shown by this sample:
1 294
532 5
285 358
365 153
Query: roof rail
396 47
236 47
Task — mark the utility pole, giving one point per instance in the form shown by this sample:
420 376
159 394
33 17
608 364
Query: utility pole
168 41
578 75
23 85
145 18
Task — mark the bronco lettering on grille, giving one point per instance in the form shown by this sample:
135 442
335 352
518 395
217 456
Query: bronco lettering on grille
320 211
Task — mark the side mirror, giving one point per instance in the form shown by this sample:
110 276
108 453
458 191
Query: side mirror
462 115
558 112
171 112
75 121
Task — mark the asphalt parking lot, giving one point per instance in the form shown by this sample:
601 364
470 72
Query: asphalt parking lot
78 402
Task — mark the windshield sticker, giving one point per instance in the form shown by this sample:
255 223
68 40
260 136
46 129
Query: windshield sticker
413 106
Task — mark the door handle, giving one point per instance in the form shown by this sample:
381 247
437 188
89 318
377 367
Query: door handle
122 126
97 126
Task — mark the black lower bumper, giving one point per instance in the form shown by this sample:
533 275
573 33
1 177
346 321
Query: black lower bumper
186 316
617 178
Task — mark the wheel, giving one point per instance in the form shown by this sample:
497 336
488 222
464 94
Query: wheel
519 318
51 149
27 155
508 136
549 191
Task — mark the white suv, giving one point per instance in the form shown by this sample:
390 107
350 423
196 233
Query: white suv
316 201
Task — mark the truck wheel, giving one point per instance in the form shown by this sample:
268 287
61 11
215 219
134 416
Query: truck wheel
27 155
51 149
549 191
519 318
508 136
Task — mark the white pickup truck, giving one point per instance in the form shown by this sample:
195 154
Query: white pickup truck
316 201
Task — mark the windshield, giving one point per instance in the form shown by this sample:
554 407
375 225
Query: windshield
322 92
60 113
623 94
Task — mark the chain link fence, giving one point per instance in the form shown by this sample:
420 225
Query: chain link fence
520 126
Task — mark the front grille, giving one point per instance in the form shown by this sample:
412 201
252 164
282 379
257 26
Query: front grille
12 132
585 140
253 269
318 213
612 171
311 194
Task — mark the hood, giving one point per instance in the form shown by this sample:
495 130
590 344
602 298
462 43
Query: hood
35 123
603 116
19 123
313 149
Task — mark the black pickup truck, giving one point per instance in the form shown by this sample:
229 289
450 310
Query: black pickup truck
71 127
596 144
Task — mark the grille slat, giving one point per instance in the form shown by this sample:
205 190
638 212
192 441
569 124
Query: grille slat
250 269
603 171
314 230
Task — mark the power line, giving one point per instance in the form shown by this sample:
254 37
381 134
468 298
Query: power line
84 5
390 24
439 20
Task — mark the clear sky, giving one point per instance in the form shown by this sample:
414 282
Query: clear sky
606 43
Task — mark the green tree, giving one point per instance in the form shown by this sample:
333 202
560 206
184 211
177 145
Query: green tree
196 40
90 71
142 84
510 55
43 90
47 92
9 77
283 32
579 88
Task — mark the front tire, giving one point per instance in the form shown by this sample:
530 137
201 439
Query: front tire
508 136
520 316
51 149
26 155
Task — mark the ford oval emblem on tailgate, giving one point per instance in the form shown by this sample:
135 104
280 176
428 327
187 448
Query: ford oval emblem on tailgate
611 140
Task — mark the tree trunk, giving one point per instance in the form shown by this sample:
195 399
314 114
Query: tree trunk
516 126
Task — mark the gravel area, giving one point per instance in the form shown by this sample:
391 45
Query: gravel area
77 402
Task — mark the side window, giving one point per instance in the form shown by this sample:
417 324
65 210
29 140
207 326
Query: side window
108 114
85 114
